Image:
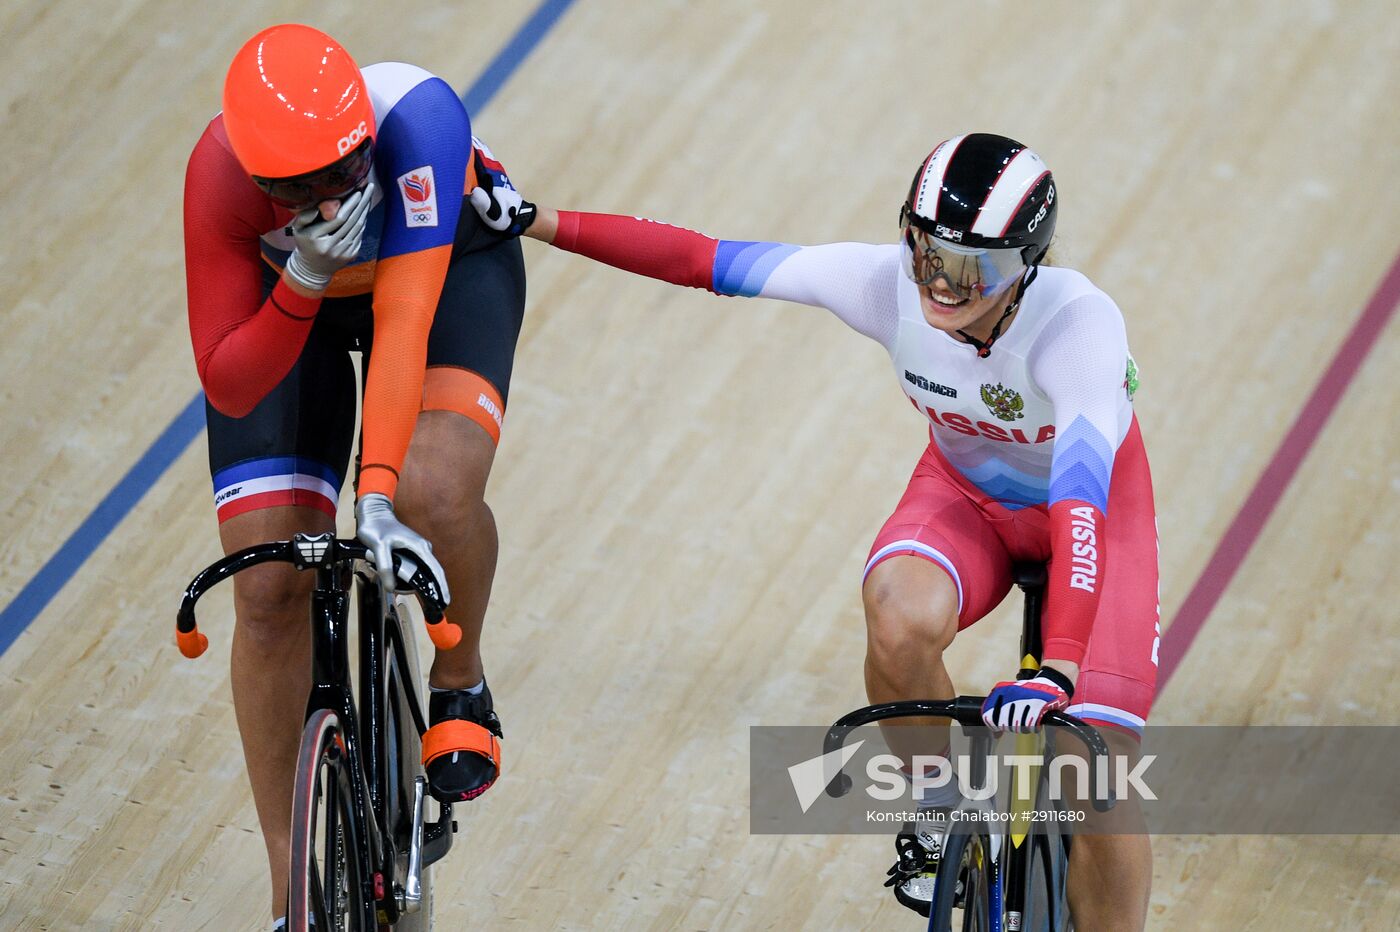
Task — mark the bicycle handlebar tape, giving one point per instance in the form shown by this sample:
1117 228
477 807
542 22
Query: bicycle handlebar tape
191 643
444 633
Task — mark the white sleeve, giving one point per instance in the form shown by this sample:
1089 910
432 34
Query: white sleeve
1080 362
855 281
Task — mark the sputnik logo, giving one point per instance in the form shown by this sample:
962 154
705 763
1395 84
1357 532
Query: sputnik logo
810 778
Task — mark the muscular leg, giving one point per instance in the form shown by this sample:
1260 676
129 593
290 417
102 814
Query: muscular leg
271 671
441 496
1110 876
911 615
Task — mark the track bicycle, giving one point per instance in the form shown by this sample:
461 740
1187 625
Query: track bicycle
999 879
361 839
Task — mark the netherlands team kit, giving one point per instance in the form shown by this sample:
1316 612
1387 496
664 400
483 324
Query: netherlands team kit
435 294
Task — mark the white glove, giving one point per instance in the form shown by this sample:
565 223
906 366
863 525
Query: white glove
383 533
323 247
500 206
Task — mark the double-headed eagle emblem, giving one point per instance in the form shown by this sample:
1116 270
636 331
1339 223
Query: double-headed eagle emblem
1004 402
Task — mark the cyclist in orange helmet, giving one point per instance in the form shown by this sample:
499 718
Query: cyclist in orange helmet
324 215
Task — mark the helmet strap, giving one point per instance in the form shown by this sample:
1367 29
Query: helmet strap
984 348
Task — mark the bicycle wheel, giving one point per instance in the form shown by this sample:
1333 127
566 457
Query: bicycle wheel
961 894
1046 909
326 890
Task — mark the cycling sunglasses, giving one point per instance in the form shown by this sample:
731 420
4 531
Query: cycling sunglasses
966 271
334 181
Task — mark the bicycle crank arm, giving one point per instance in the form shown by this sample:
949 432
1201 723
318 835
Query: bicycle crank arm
411 898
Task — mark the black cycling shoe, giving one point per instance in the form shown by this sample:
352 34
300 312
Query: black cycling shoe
461 749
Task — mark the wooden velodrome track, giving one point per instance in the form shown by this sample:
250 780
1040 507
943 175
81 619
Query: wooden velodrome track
687 486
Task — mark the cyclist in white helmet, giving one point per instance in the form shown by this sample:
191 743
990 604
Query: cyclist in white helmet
1023 374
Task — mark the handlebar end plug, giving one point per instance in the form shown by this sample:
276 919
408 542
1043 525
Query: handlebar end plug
445 634
191 643
839 786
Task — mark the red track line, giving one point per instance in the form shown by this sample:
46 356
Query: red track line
1249 522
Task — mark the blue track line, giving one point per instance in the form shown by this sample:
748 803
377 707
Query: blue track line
61 567
187 425
499 71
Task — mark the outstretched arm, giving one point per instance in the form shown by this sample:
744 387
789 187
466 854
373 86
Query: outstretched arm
855 281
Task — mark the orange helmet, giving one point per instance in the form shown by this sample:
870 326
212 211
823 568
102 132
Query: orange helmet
295 104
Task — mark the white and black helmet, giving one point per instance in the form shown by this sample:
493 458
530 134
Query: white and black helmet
984 191
979 218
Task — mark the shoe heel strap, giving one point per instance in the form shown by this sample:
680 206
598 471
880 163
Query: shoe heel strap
455 734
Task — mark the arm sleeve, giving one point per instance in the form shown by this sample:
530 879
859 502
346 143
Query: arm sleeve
422 156
1080 361
243 345
855 281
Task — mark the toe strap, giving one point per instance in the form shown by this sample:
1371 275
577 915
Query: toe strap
455 734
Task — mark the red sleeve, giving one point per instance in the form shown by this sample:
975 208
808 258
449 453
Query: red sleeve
646 247
243 345
1078 560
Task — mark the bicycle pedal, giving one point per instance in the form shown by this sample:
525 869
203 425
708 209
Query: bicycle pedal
900 873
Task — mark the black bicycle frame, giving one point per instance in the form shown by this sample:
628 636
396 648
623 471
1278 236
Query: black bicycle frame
330 689
967 710
363 725
1031 578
